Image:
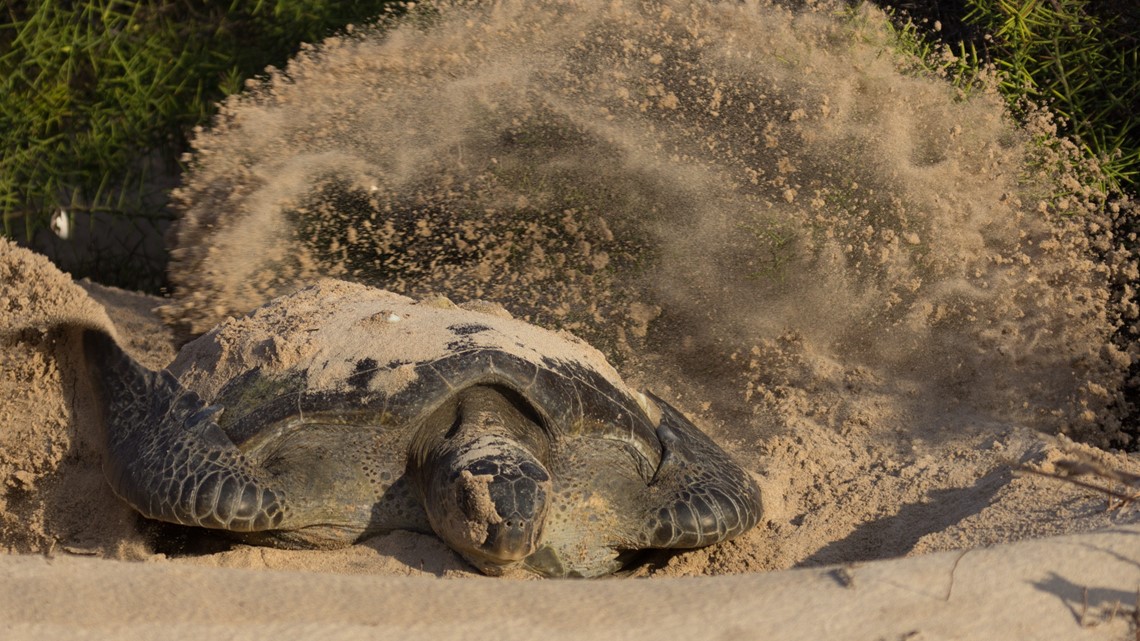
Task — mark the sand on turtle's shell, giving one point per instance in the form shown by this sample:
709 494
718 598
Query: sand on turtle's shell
331 326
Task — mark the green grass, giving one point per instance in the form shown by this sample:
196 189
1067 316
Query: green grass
1079 58
97 96
1063 54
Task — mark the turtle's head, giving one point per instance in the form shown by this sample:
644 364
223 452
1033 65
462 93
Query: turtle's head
486 492
490 508
502 500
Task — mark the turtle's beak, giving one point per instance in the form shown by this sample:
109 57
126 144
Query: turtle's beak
513 539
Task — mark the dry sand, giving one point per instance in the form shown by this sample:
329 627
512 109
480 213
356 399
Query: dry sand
877 293
1069 588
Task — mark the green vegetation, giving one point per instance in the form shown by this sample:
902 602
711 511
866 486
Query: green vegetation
97 96
1084 65
960 63
1078 57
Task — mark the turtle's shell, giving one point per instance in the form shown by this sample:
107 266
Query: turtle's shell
338 353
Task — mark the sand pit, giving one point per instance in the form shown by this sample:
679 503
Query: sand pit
878 294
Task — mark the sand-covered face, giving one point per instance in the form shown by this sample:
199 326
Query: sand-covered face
739 199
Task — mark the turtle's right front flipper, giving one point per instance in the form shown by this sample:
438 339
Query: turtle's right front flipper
164 453
699 495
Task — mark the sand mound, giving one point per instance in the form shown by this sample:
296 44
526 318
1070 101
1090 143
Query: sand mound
52 492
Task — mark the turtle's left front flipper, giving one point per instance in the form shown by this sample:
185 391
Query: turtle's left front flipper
699 495
165 455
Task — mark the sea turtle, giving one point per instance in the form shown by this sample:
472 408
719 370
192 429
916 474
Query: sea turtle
343 411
